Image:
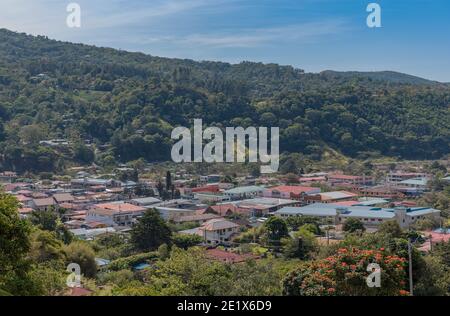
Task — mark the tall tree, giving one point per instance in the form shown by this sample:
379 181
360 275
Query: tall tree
276 229
82 254
168 181
150 232
14 246
353 225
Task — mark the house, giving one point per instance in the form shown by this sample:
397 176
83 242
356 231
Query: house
173 209
63 198
294 192
8 176
309 180
369 216
213 188
415 186
204 197
388 192
24 200
255 207
395 177
215 231
246 192
173 213
223 209
343 179
44 204
434 237
25 211
89 234
198 218
115 213
329 197
92 182
145 202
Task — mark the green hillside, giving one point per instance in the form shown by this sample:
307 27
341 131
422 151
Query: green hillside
126 104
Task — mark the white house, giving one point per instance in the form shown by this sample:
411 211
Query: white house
215 231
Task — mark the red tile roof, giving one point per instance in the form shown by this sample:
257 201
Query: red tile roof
120 207
207 188
346 203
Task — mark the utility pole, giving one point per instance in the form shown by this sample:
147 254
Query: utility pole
410 268
328 235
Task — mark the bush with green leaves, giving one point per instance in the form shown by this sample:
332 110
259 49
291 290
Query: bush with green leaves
130 261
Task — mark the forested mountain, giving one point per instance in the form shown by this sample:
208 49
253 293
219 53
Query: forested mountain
388 76
126 104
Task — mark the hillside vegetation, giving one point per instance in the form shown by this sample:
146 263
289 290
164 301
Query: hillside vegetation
127 104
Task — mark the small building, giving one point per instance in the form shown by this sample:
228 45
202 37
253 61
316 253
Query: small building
382 191
173 213
8 177
294 192
343 179
89 234
63 198
395 177
329 197
369 216
246 192
256 207
215 231
115 213
415 186
145 202
198 219
44 204
204 197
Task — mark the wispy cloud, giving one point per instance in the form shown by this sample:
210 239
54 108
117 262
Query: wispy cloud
148 11
48 16
254 37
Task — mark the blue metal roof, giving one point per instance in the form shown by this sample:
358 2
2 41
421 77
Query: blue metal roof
323 209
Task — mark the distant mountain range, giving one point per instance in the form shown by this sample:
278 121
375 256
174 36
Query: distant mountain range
127 104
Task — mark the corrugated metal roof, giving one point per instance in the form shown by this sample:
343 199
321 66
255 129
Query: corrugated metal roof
323 209
243 190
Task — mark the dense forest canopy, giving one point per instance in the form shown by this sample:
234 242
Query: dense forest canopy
126 105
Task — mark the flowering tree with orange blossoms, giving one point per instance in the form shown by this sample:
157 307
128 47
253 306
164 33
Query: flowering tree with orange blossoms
345 274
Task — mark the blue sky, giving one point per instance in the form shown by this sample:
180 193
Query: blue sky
314 35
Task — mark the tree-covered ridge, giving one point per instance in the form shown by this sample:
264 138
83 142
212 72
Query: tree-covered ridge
128 103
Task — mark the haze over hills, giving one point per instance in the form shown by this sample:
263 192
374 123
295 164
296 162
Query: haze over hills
390 76
127 104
